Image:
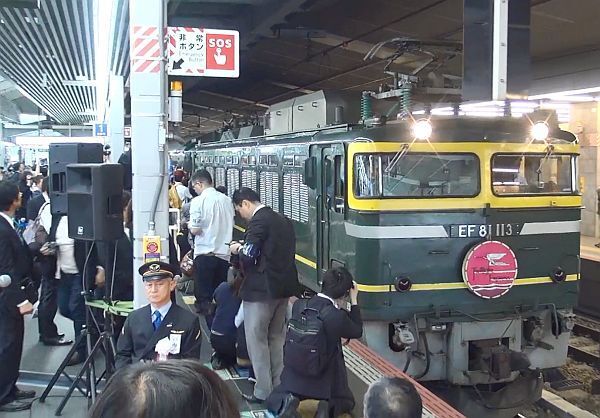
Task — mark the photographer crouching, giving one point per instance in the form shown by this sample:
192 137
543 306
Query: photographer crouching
313 362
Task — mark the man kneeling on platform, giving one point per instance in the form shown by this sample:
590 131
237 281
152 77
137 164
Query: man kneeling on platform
161 330
313 362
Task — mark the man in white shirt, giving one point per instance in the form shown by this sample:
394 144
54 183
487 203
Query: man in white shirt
46 259
211 223
71 303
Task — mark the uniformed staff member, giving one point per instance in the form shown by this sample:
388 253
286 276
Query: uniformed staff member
161 329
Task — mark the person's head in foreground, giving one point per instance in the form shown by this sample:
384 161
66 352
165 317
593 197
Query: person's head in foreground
169 389
392 397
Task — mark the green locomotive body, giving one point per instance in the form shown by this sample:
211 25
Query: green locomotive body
405 217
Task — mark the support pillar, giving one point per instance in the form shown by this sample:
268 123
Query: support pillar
585 123
116 117
148 126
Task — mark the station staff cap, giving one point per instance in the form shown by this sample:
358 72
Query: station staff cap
156 270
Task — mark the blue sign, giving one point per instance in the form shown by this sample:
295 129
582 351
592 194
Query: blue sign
100 129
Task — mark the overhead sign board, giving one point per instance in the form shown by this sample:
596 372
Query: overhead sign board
100 129
204 52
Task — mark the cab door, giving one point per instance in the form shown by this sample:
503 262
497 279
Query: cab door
330 204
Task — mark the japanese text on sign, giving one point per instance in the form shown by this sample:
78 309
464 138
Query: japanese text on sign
203 52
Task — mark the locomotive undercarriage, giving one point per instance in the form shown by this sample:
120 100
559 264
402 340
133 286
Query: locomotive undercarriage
483 365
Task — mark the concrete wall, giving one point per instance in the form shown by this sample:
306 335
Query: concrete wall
585 123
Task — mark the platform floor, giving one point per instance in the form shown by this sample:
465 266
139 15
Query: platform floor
40 362
589 250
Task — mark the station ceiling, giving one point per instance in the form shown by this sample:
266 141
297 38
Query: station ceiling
289 47
49 53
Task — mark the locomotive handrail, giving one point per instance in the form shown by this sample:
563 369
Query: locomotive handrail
539 208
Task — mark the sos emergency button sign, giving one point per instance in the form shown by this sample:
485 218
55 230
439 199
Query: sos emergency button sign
203 52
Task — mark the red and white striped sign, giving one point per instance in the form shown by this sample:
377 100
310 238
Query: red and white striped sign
145 49
203 52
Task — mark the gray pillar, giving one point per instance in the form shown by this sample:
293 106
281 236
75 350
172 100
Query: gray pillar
148 127
116 117
500 50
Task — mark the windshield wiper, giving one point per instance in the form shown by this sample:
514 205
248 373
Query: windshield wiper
549 153
399 155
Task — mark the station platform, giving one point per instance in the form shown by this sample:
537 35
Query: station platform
589 283
40 362
589 251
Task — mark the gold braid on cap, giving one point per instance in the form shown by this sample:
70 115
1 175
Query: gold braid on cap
155 270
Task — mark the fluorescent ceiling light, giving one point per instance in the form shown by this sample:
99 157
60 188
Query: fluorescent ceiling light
573 98
26 118
79 83
565 93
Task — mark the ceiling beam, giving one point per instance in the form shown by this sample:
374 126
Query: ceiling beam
268 15
269 99
289 86
225 96
376 29
212 109
9 110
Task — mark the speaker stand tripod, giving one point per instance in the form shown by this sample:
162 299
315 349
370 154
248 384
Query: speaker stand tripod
105 343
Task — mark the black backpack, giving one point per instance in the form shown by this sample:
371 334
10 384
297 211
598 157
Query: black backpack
305 349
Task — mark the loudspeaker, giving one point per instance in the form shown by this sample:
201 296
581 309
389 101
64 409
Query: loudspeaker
94 196
60 155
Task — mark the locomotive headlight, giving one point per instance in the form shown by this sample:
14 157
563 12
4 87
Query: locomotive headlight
558 275
402 283
540 131
422 129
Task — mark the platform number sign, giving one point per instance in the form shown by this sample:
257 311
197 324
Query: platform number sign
203 52
100 129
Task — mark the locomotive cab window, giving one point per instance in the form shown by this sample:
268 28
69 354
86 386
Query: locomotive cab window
338 184
530 174
416 175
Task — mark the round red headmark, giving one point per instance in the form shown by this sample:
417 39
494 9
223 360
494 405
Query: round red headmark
490 269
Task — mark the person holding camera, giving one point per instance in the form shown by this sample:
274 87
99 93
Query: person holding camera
15 262
313 362
266 259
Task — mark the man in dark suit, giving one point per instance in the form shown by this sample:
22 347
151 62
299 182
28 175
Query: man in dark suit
331 384
161 329
15 262
267 259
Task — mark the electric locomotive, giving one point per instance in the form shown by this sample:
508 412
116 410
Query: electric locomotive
462 233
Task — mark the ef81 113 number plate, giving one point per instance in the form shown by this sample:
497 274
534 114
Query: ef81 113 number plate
485 230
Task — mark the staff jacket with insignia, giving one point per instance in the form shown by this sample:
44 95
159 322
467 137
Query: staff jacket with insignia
138 339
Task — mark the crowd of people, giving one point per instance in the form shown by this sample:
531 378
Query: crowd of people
46 269
243 290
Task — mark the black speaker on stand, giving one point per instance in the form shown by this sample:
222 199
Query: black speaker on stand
94 197
61 155
95 193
